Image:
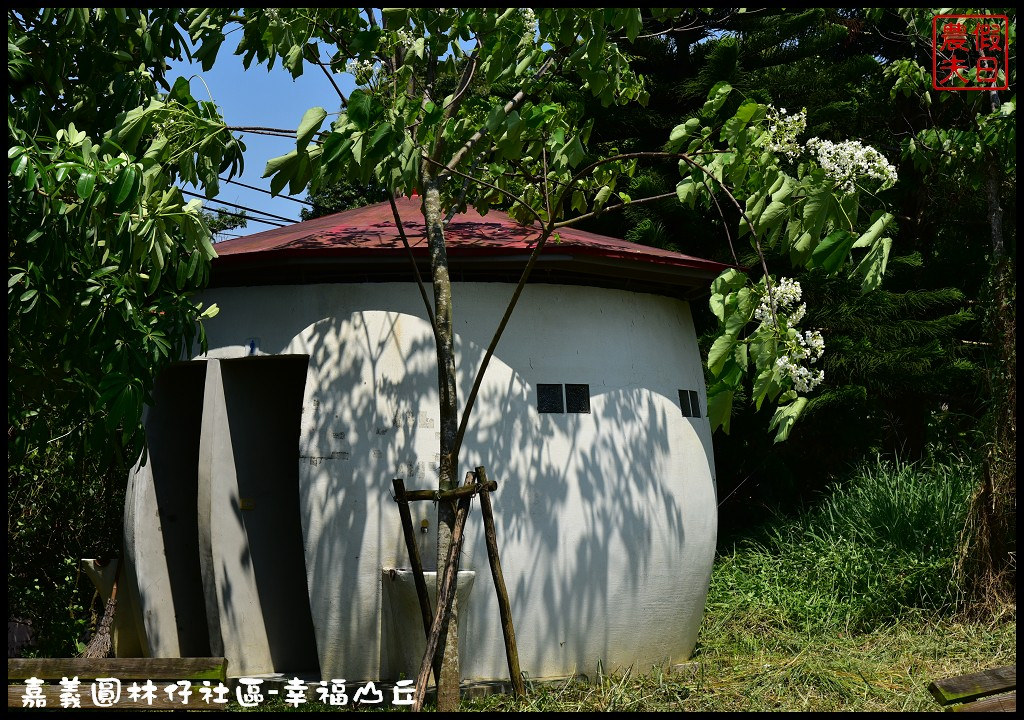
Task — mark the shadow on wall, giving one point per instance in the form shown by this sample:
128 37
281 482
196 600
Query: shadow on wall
589 508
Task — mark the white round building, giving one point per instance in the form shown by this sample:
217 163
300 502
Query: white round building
263 526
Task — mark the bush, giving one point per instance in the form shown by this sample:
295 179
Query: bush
883 544
63 504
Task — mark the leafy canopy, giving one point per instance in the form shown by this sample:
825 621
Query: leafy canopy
103 251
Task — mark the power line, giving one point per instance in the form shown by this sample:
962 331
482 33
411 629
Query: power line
240 207
266 192
249 217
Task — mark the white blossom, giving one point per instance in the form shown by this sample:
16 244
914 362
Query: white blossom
405 37
796 347
363 70
784 294
804 380
530 20
848 161
782 130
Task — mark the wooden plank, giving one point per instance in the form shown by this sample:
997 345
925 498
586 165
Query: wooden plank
16 693
457 493
996 703
965 688
205 668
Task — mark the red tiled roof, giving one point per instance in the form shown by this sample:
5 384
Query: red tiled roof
370 231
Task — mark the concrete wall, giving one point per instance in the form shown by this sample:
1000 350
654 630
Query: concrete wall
606 521
163 579
250 538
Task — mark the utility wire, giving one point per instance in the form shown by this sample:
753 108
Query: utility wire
249 217
240 207
267 192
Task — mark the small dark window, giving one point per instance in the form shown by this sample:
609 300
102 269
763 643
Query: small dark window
684 402
694 404
577 398
549 399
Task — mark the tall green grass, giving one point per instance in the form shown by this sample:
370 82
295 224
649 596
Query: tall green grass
881 545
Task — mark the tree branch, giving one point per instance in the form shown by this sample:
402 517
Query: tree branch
506 193
613 208
511 105
412 259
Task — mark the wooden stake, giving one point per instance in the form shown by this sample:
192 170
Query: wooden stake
414 561
504 607
445 597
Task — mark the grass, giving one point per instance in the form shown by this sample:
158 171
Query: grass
886 669
850 605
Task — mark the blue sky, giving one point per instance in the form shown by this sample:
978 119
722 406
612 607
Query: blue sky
257 97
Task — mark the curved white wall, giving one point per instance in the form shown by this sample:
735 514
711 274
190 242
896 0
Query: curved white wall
606 521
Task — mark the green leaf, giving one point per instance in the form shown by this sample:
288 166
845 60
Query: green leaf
717 304
602 197
734 126
495 118
785 417
308 126
719 353
124 187
720 409
874 231
357 147
762 386
681 133
360 104
85 185
742 314
717 97
729 280
526 62
278 164
819 205
686 191
833 250
873 265
802 248
785 190
574 152
332 148
19 165
634 23
14 279
741 356
772 215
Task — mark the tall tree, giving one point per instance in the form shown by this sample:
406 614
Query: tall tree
963 145
103 257
103 251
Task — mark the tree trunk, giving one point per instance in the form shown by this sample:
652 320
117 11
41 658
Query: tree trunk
448 687
991 551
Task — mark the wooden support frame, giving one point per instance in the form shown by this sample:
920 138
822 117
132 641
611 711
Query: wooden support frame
476 483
